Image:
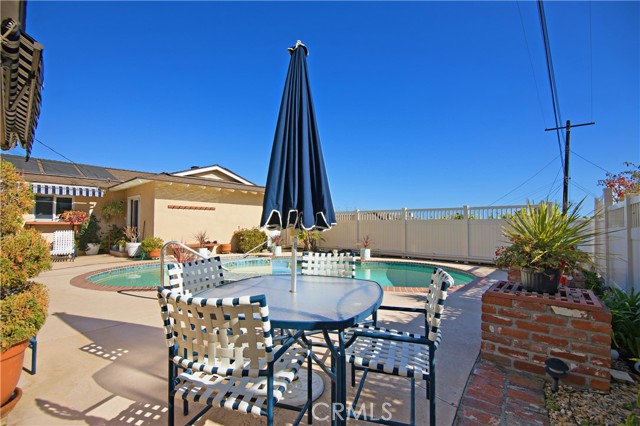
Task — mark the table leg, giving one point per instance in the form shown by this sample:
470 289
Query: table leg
339 380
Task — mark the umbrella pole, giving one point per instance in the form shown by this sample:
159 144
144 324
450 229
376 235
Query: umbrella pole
294 264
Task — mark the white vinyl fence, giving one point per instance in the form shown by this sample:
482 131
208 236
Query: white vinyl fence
461 233
618 248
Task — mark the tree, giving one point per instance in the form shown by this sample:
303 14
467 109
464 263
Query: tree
16 199
626 182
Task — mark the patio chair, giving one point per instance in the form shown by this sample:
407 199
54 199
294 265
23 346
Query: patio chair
328 264
225 351
192 277
64 245
381 350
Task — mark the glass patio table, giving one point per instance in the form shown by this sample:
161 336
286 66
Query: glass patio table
326 304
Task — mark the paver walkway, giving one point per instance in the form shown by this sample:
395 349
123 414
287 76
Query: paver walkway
499 397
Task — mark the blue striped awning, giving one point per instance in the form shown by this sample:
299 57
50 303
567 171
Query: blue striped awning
70 190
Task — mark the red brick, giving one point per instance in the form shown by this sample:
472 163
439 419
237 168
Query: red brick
481 395
495 300
486 346
479 416
591 326
488 309
593 371
550 319
488 407
604 339
568 332
601 362
490 371
513 332
540 359
525 381
513 353
529 346
602 316
571 356
532 326
526 417
530 306
528 366
497 339
514 313
482 382
489 328
496 319
496 358
550 340
575 379
591 349
467 422
601 385
522 395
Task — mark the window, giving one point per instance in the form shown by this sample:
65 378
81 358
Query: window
49 207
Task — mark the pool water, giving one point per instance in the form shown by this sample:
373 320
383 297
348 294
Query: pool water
387 274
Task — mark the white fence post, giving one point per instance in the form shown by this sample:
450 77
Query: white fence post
357 215
465 217
406 232
628 225
607 196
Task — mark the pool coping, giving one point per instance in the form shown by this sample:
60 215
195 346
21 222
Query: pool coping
81 281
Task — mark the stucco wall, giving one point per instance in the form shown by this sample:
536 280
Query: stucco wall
233 210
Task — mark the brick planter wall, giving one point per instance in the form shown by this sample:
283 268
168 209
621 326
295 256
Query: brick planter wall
521 330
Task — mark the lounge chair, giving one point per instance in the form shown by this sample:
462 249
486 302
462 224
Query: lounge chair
64 245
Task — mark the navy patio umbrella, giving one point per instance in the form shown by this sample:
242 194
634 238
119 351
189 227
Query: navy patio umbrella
297 193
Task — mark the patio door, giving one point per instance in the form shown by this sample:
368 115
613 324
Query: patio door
133 212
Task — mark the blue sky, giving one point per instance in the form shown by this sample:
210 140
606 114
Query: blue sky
420 104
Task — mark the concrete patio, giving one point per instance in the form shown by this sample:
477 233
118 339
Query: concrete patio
102 358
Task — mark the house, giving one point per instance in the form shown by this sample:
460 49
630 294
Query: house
172 206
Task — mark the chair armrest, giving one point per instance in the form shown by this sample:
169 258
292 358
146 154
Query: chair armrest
421 340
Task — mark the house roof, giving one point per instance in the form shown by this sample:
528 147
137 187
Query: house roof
66 173
196 171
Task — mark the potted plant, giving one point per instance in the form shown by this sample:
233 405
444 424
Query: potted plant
544 244
121 243
365 250
310 239
152 246
24 254
111 210
277 245
131 232
75 217
89 236
202 239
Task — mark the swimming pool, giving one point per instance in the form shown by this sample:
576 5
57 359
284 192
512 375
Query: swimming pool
387 274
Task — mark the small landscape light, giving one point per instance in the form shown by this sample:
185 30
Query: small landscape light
557 369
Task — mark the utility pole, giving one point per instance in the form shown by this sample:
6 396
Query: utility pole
567 144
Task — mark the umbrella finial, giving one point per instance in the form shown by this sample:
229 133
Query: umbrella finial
299 44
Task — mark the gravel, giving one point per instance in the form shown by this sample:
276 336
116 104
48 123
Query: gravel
570 406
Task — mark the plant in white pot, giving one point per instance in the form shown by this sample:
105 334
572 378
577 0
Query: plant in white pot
89 236
276 243
202 238
365 250
544 244
131 232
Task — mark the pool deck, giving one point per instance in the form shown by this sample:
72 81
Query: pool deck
102 357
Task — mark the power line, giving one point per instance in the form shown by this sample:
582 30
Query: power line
535 80
47 146
554 182
552 79
519 186
590 162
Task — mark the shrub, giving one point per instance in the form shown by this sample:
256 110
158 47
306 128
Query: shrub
625 319
247 239
23 314
24 253
89 233
16 199
151 243
310 239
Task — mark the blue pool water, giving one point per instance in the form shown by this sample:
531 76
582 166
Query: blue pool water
387 274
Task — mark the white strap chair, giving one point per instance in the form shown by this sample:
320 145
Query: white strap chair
225 350
196 276
328 264
64 244
381 350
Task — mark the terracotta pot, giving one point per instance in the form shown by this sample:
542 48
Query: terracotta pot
10 369
224 248
154 254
